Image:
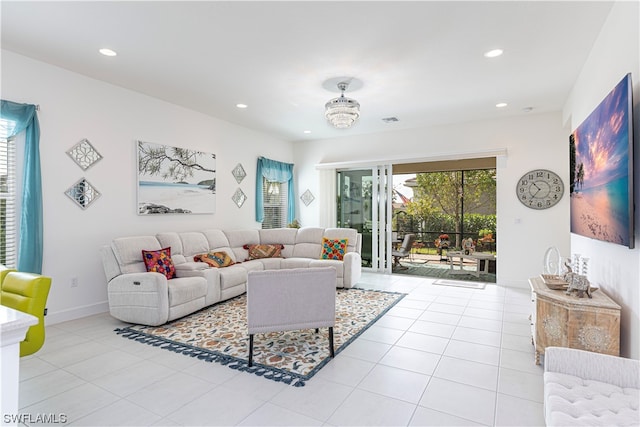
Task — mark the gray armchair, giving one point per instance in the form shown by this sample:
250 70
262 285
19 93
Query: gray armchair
286 300
404 250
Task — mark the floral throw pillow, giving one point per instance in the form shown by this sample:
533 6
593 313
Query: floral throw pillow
333 248
215 259
159 262
264 251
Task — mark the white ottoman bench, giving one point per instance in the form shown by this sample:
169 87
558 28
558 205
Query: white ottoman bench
582 388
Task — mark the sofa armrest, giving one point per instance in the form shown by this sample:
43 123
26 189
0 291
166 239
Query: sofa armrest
141 298
593 366
352 269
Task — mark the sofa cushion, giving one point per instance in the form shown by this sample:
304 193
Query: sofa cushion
185 289
194 243
239 238
235 275
333 248
127 251
215 259
159 262
574 401
295 262
284 236
264 251
172 240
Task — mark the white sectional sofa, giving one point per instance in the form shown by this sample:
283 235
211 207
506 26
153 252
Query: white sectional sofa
149 298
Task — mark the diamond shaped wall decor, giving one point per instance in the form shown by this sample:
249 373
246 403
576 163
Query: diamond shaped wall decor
84 154
307 197
83 193
239 173
239 197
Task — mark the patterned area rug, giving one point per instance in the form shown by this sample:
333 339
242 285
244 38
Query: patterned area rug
219 334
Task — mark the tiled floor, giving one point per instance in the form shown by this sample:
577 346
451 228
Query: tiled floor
443 356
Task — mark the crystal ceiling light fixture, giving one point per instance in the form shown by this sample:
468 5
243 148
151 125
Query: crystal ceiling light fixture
342 112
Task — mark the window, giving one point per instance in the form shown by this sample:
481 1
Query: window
7 197
275 204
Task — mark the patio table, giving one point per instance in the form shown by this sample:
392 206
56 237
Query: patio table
477 257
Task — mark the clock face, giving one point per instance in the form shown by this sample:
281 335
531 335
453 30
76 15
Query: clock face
540 189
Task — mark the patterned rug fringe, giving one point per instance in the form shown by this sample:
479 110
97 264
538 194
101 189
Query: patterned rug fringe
268 372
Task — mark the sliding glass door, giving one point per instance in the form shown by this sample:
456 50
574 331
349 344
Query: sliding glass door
364 203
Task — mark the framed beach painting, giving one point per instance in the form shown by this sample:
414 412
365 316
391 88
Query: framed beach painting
173 180
601 170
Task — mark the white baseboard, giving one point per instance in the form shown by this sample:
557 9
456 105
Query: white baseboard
76 313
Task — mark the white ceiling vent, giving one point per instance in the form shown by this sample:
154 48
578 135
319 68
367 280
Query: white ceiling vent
390 119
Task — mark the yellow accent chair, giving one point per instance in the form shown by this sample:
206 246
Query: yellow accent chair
27 292
4 270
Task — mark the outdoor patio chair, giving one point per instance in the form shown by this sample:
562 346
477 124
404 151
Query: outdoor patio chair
403 252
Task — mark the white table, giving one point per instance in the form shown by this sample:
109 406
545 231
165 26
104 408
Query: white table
477 257
13 329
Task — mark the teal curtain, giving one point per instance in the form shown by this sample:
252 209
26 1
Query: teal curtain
23 117
277 172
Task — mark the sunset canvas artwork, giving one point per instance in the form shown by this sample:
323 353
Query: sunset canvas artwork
601 171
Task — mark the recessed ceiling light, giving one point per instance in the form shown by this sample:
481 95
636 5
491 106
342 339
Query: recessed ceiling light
501 104
307 131
107 52
241 105
493 53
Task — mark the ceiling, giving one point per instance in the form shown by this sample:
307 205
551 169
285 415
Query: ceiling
419 61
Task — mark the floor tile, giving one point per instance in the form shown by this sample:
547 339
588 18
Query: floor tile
521 384
519 328
171 393
272 415
458 300
477 336
381 334
366 350
483 313
487 354
120 413
436 317
423 342
102 364
252 385
482 324
461 400
446 308
417 304
395 322
467 372
405 312
363 408
132 378
45 386
231 407
513 411
318 399
74 403
431 418
520 361
345 370
518 343
432 328
397 383
413 360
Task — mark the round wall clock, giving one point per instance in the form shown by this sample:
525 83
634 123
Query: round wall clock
540 189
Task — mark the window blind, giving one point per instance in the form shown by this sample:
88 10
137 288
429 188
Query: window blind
7 199
275 204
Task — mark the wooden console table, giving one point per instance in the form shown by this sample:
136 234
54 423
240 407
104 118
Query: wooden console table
565 320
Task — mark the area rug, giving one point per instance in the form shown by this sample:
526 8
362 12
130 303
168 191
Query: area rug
219 334
460 283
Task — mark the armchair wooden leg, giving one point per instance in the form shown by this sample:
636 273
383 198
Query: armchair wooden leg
331 352
250 350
